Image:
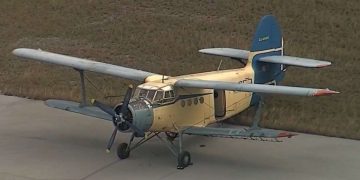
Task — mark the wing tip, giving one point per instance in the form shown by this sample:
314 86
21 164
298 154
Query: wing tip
202 50
286 134
17 51
325 92
21 52
208 50
325 64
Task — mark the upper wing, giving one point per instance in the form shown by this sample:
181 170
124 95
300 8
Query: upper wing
287 60
258 88
83 64
227 52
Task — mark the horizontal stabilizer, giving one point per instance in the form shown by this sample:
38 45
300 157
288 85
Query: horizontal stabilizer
227 52
75 107
295 61
237 133
83 64
257 88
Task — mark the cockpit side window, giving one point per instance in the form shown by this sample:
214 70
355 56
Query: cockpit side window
150 95
143 93
172 94
155 96
169 96
159 96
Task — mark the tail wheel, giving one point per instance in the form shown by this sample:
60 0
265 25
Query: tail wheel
184 160
122 151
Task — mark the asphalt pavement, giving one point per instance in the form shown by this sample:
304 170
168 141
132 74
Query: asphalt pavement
38 142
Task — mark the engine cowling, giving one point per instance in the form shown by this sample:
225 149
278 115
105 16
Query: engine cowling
140 115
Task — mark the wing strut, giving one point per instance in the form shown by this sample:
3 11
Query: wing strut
83 101
257 118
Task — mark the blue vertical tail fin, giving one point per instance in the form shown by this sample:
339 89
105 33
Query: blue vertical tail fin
267 41
268 35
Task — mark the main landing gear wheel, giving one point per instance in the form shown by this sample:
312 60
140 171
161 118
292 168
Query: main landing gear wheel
123 151
184 160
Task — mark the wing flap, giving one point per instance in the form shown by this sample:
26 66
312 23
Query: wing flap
257 88
74 107
295 61
83 64
237 133
227 52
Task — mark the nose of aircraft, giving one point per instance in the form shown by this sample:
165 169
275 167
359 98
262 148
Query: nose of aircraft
141 114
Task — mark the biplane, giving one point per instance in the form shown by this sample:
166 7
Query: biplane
167 107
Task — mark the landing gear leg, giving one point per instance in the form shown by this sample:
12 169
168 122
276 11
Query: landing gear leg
184 158
124 149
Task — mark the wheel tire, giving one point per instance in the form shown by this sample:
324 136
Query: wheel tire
122 151
184 160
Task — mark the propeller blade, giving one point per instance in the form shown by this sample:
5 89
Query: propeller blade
124 107
111 140
136 129
103 107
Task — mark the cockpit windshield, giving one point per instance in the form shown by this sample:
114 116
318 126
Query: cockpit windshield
158 96
145 93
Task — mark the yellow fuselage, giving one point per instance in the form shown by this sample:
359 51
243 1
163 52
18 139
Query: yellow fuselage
200 107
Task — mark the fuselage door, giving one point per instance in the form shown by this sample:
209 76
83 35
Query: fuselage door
219 103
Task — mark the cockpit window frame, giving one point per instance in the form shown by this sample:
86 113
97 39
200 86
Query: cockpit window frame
171 95
170 99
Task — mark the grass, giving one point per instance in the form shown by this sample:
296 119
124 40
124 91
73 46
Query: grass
164 36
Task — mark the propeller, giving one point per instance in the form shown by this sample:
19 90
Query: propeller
118 118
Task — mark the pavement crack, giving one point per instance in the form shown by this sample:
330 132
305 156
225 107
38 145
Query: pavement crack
100 169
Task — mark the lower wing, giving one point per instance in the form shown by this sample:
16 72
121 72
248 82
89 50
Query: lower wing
243 133
76 108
